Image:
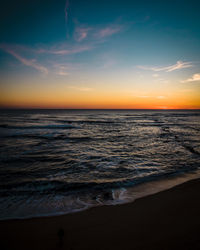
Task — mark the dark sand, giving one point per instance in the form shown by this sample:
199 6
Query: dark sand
166 220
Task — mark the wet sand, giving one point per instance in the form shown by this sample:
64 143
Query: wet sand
166 220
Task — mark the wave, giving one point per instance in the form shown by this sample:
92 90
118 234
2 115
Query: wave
67 188
191 149
53 126
82 156
90 121
51 137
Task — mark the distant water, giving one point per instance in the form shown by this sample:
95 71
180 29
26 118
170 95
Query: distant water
61 161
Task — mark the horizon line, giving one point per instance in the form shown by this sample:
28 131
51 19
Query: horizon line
23 108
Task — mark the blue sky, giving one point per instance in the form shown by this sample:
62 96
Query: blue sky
100 46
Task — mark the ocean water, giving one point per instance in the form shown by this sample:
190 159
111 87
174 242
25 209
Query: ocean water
61 161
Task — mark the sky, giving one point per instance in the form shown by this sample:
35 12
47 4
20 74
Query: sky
92 54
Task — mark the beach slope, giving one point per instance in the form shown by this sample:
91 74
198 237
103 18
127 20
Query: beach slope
166 220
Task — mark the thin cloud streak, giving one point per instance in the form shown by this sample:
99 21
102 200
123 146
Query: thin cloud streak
155 75
62 73
161 80
143 96
194 78
84 89
160 97
62 70
68 51
57 49
81 33
31 63
108 31
177 66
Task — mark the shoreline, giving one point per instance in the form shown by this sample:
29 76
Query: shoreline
131 194
166 220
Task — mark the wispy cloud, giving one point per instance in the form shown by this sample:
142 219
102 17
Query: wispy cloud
57 49
155 75
194 78
28 62
62 72
66 51
143 96
84 89
55 54
161 80
81 33
186 90
161 97
95 34
108 31
177 66
149 96
64 69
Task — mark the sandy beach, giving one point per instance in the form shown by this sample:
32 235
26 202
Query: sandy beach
166 220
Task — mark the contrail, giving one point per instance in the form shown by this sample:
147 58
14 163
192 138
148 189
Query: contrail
66 17
66 10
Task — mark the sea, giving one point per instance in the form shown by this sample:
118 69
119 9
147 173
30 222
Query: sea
56 162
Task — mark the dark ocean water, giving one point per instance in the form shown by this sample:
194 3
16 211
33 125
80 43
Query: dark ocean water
61 161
